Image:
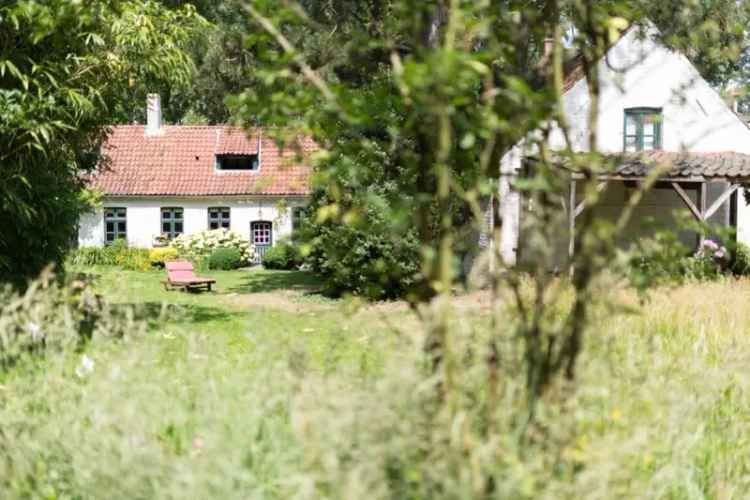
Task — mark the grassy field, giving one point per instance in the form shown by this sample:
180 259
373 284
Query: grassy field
265 389
252 309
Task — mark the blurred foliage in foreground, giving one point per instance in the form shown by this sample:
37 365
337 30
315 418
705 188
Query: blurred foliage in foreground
49 318
272 403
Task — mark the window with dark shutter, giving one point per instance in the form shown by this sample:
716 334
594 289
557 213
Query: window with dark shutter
218 217
115 224
171 221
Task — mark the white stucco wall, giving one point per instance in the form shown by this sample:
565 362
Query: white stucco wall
144 216
509 206
640 72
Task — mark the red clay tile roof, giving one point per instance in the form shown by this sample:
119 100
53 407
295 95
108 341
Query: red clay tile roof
725 164
181 162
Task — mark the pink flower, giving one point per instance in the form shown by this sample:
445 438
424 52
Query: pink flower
198 442
710 244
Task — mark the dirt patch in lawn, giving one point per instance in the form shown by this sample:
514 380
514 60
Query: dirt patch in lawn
287 301
480 300
293 301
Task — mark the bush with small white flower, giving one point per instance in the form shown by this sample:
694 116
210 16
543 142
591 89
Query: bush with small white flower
199 246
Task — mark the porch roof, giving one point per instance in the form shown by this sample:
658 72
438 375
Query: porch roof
676 169
700 166
681 167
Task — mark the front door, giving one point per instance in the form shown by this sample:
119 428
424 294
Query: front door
261 233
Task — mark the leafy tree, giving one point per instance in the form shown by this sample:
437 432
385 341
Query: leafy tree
223 66
413 108
371 174
711 33
66 68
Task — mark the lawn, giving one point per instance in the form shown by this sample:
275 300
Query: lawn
248 308
266 389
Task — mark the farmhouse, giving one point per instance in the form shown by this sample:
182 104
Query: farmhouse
654 107
159 181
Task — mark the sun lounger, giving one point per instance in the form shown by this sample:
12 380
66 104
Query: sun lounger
180 275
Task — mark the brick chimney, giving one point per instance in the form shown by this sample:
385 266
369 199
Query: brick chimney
153 115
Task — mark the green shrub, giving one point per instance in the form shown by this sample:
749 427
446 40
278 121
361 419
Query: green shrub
661 259
118 253
99 256
664 260
283 255
90 256
741 260
158 256
374 258
225 259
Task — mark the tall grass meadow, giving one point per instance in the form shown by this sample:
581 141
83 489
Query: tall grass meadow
660 410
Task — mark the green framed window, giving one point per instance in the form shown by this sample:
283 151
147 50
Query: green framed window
298 214
171 221
643 129
115 224
219 217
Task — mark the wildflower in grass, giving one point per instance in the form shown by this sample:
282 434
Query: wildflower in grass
198 442
86 367
35 330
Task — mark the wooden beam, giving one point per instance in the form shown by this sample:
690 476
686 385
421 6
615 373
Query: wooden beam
720 201
696 212
682 180
599 188
732 212
694 179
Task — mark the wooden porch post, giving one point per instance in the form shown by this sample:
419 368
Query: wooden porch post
702 196
492 233
572 221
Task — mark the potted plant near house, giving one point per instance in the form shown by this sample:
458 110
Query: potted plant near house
160 240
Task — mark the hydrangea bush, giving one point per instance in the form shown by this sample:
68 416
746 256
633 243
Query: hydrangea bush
199 246
713 251
710 261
